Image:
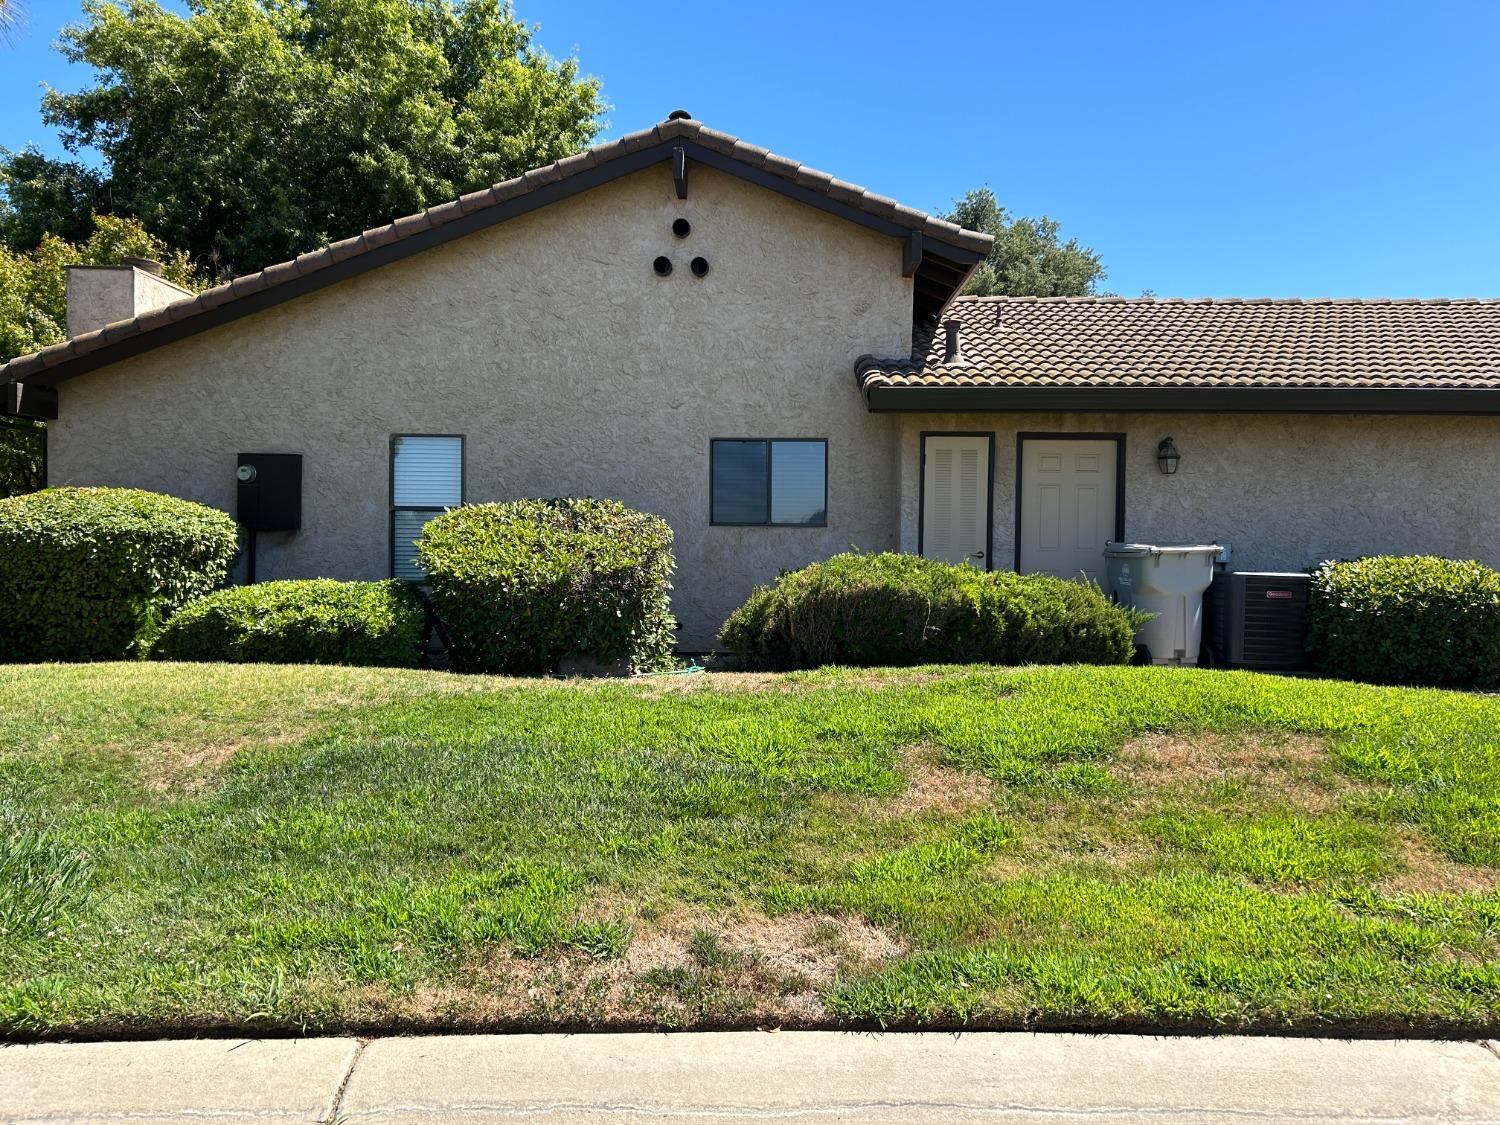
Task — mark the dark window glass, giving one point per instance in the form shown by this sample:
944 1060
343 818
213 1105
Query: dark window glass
769 482
739 471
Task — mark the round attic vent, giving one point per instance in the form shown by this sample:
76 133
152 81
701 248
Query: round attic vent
699 266
662 266
681 228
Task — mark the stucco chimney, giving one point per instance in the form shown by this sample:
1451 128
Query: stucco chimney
950 346
100 295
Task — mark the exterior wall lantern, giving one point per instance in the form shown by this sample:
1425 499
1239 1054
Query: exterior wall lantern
1167 456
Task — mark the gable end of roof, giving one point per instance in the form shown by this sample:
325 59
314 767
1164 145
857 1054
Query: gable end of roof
950 252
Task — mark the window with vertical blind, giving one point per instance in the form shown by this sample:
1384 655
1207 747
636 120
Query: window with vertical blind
768 482
427 478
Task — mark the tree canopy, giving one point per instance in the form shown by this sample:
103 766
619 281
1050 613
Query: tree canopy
1028 258
23 457
250 131
40 195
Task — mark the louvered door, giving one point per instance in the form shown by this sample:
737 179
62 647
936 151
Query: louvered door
956 498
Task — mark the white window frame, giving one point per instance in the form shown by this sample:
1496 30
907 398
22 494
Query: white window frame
463 489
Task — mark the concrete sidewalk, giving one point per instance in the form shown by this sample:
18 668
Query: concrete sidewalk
751 1076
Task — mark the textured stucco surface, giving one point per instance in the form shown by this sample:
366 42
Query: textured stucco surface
1285 491
567 364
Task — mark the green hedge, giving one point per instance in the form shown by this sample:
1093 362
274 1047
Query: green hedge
92 573
890 609
315 621
1406 620
518 587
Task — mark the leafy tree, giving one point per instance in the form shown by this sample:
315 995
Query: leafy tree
22 456
39 196
249 131
1028 259
34 284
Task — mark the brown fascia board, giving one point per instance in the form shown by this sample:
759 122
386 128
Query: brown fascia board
22 401
517 197
1183 400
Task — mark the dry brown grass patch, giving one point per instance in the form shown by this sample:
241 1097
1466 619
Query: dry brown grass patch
774 968
1155 760
1297 767
1425 870
716 681
873 678
189 767
893 677
931 787
766 971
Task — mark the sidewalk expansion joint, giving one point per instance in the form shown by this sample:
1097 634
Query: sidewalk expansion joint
336 1104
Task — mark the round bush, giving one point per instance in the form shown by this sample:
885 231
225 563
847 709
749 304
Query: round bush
890 609
519 587
1408 620
92 573
314 621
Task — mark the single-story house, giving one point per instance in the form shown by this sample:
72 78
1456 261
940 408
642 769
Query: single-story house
778 363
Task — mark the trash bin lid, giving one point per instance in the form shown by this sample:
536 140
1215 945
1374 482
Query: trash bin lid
1127 550
1141 550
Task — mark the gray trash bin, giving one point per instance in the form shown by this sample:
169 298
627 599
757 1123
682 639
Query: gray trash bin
1169 582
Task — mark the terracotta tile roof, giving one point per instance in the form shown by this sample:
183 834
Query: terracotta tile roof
1060 342
469 212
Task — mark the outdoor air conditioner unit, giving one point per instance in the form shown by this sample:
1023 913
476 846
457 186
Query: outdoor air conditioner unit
1258 619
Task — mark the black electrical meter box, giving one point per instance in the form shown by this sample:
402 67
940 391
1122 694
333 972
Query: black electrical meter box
270 491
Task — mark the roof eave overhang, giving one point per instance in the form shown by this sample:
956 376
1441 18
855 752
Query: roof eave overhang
938 269
19 400
1183 400
942 269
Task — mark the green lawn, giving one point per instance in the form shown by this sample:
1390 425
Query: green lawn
197 847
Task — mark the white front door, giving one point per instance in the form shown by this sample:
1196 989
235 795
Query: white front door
956 498
1067 494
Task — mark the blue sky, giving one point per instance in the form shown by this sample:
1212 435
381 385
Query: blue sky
1269 149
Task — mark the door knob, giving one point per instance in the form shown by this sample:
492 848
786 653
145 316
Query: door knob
978 555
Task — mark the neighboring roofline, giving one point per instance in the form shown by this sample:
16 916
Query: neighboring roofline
974 299
910 384
1182 400
939 255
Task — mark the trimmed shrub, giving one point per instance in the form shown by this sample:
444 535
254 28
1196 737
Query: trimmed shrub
314 621
1406 620
518 587
891 609
92 573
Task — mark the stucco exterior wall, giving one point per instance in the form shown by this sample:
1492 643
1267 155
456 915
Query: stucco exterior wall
1285 491
569 366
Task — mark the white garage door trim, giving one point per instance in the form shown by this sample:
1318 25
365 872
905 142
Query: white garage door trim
988 492
1117 438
